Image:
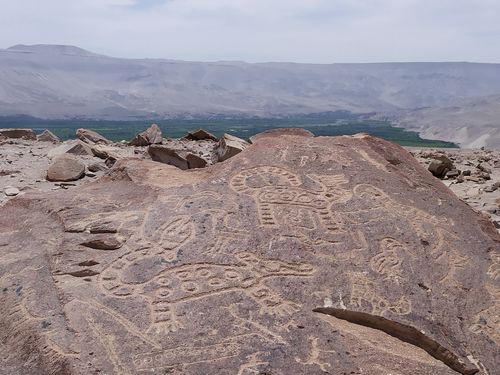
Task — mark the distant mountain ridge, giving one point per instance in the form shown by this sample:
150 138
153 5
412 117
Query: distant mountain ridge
50 81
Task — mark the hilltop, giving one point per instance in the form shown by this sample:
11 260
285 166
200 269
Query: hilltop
60 82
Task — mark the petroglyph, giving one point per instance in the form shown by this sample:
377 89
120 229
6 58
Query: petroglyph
188 355
494 268
364 295
487 322
19 329
455 262
272 187
182 284
388 262
219 268
314 356
253 366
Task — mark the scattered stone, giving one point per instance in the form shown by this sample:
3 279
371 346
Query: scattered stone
91 137
492 188
48 136
90 174
485 176
460 179
440 166
194 161
200 135
229 146
109 162
66 168
26 134
11 191
166 155
467 172
453 173
103 243
483 167
148 137
98 167
71 147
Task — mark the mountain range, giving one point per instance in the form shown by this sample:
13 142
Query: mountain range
454 101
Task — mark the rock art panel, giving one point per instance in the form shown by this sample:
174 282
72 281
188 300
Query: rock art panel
227 270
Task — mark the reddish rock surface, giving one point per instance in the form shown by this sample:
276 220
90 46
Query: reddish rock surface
297 256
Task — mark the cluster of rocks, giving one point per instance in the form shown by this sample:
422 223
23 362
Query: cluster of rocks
42 162
473 175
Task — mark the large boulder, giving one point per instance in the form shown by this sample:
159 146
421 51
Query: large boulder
178 158
229 146
150 136
48 136
27 134
200 135
297 256
91 137
66 168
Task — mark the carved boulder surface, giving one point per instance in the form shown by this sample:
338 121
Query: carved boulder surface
298 256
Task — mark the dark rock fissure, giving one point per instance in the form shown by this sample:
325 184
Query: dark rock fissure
404 333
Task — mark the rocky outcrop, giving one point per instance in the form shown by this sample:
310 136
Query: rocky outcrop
27 134
66 168
297 256
91 137
229 146
48 136
281 133
150 136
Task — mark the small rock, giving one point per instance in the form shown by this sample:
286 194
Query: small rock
484 168
48 136
194 161
199 135
467 172
91 137
230 146
485 176
453 173
66 168
11 191
109 162
70 147
440 166
148 137
103 243
90 174
97 167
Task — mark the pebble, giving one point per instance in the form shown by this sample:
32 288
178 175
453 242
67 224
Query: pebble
11 191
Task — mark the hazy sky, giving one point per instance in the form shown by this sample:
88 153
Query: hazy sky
320 31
